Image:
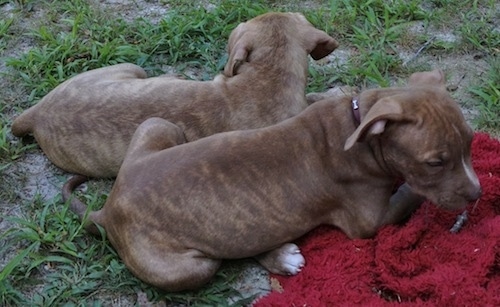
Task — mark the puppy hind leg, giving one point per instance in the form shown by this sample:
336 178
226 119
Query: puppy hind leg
175 271
284 260
155 134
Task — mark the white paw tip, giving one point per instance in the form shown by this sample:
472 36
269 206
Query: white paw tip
293 263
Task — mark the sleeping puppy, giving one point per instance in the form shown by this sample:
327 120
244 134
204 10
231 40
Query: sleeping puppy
85 124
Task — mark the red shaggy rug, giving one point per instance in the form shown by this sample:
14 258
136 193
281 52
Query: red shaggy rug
419 263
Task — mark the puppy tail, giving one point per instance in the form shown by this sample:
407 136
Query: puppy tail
23 124
76 205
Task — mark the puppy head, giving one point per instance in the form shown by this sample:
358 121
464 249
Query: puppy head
423 137
391 109
271 30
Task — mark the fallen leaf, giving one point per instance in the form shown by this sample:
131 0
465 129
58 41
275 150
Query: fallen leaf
276 286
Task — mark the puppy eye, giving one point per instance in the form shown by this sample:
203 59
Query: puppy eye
435 163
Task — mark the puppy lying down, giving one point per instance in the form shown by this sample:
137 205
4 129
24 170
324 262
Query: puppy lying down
85 125
175 212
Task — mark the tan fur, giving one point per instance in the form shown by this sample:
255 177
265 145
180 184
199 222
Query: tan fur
84 125
173 214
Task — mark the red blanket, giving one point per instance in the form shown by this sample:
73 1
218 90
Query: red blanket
419 263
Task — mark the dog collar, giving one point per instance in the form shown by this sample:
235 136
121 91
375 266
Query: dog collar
355 110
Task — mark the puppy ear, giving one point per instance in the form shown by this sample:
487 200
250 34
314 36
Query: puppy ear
320 44
238 49
237 56
386 109
428 78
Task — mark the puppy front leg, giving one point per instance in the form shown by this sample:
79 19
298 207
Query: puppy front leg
284 260
154 134
402 204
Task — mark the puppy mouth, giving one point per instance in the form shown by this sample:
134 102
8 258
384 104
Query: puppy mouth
460 200
453 203
448 201
454 206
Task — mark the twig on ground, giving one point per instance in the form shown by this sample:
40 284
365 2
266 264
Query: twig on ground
427 43
462 219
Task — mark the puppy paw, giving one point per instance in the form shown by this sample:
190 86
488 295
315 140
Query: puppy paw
285 260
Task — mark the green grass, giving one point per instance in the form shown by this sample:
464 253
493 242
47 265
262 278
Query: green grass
67 265
4 28
88 39
9 150
488 91
51 261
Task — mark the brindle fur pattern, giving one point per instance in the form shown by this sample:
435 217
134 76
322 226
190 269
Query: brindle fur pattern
85 124
175 212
